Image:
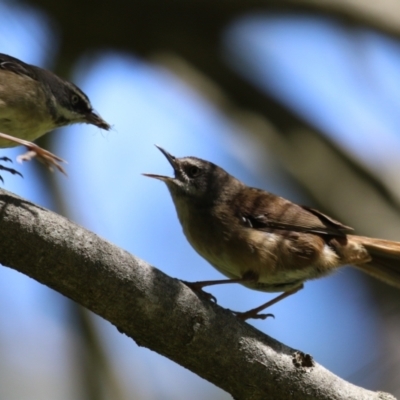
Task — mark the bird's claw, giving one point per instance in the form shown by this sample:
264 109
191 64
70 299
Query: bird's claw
209 296
46 157
251 315
198 289
10 170
49 159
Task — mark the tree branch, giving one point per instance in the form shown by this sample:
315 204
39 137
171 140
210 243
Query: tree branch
160 312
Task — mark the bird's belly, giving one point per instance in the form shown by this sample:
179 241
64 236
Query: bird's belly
267 257
22 117
21 127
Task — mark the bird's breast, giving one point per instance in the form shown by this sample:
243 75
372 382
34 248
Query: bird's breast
23 108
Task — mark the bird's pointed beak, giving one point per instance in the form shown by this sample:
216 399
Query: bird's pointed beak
171 159
95 119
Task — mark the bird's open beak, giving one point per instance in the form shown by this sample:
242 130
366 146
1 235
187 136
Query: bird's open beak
171 159
96 120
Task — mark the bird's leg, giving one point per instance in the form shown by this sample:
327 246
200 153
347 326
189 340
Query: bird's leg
46 157
198 286
254 313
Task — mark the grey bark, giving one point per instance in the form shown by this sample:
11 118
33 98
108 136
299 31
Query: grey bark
160 312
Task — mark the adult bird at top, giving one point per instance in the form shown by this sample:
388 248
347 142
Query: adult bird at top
34 101
264 241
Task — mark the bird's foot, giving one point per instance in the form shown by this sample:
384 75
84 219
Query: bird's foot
254 313
10 170
251 315
198 288
46 157
49 159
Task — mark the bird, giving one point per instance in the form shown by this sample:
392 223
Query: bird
34 101
263 241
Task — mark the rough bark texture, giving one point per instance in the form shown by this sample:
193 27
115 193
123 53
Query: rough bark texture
160 312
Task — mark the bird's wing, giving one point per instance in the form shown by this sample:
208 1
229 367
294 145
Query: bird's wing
12 64
265 211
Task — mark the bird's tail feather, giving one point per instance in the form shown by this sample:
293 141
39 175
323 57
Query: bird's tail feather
385 259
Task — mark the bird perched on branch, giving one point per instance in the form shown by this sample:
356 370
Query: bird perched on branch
264 241
34 101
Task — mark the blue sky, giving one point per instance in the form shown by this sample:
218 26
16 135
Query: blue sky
341 82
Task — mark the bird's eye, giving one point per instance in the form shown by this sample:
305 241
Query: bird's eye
193 171
74 99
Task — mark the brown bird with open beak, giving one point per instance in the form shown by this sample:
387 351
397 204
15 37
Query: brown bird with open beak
264 241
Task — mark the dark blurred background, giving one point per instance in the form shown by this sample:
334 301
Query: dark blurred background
299 98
